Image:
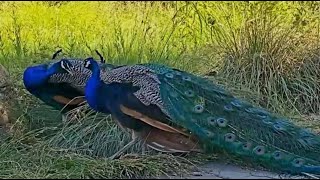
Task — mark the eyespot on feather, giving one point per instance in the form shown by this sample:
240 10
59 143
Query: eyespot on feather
222 122
259 150
298 162
189 93
169 75
211 120
198 108
229 137
277 155
247 146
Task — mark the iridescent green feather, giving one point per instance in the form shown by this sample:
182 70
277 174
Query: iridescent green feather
222 121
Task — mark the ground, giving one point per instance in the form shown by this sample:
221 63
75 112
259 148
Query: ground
218 170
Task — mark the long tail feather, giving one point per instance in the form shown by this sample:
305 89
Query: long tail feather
222 121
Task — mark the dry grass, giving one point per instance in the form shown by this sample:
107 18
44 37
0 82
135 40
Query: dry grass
267 52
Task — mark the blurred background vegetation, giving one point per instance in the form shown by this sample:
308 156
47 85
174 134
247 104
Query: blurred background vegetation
266 52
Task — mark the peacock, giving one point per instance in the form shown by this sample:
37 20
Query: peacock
57 94
176 111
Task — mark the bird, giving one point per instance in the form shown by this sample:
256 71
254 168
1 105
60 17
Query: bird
61 96
184 112
36 80
175 111
109 99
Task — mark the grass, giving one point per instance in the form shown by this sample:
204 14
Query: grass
40 161
266 52
41 146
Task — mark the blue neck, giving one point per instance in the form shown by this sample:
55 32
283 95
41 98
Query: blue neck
92 88
96 72
36 76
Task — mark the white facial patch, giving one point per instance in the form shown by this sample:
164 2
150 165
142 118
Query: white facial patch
87 64
66 67
62 65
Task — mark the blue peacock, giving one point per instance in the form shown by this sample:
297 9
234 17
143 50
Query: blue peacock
175 111
57 94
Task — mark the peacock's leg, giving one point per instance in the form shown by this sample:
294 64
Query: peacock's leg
134 140
143 149
143 145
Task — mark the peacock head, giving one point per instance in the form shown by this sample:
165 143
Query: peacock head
92 65
35 76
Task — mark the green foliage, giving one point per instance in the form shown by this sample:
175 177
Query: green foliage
131 33
267 52
269 48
